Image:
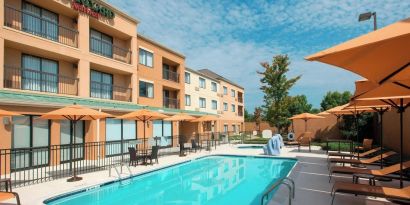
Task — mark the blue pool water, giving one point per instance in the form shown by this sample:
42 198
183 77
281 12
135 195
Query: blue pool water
216 180
251 147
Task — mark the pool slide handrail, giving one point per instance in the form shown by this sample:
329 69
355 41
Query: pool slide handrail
288 182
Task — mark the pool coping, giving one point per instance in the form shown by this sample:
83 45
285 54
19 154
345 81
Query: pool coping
99 185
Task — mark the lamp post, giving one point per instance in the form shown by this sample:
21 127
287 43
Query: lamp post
366 16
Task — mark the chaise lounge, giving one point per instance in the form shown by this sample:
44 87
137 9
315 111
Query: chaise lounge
362 161
6 195
351 155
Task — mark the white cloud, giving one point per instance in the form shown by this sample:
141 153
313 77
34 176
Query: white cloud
232 37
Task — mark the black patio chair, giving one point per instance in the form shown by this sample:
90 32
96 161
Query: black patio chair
195 146
134 157
153 155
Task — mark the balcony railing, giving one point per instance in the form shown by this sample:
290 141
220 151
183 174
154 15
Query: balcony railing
240 99
109 91
170 75
27 79
171 103
109 50
29 23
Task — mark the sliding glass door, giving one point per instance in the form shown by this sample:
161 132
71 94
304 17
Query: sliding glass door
39 74
163 130
39 21
66 139
101 85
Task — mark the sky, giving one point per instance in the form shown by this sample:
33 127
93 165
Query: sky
232 37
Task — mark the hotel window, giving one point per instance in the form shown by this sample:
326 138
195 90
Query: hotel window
30 132
233 128
202 102
233 107
214 87
66 138
225 128
187 78
214 105
187 100
39 21
100 43
101 85
39 74
163 130
202 82
117 130
225 106
232 92
225 90
146 89
145 57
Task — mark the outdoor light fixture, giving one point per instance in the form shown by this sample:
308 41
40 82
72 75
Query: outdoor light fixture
366 16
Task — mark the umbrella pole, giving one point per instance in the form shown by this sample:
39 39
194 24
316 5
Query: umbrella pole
401 110
381 137
305 125
73 154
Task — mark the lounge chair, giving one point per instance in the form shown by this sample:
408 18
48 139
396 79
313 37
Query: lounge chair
362 161
351 155
367 145
367 190
6 195
375 172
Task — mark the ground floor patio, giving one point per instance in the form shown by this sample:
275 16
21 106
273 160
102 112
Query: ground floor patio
310 176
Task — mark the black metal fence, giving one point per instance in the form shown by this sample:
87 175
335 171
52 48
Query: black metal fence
30 23
32 165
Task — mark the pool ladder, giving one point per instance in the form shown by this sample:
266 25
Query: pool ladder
119 172
288 182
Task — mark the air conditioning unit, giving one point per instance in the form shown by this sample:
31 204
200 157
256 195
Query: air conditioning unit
196 88
220 95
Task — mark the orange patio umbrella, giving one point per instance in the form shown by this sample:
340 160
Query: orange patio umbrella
396 94
180 117
324 113
143 115
379 56
206 118
4 113
306 117
74 113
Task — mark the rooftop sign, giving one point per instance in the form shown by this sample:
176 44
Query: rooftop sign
91 8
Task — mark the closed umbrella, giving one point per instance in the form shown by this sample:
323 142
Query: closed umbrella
379 56
306 117
398 96
74 113
144 116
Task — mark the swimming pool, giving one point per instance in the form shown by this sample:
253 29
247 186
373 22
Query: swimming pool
209 180
250 147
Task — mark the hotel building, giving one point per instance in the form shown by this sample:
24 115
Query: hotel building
59 52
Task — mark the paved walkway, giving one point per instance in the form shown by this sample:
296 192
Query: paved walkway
310 176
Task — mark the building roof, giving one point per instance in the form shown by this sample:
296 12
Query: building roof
219 77
150 40
201 74
23 98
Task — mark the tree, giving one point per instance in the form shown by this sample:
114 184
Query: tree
333 99
248 116
298 104
276 86
315 110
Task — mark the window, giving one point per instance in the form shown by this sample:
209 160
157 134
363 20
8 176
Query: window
214 105
34 132
225 90
233 107
101 85
233 128
162 130
66 138
146 89
232 92
214 87
39 74
187 100
202 102
101 43
225 128
116 131
145 57
225 106
187 78
202 82
39 21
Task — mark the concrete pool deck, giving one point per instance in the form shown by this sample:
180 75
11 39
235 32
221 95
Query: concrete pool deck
310 176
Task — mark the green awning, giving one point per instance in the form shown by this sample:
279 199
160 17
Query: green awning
23 98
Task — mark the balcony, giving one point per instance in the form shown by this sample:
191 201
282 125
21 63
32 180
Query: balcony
109 91
170 75
27 79
109 50
240 99
35 25
171 103
240 111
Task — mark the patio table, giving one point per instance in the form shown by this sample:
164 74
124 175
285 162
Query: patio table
370 177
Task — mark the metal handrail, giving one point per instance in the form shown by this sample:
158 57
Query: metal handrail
288 182
118 172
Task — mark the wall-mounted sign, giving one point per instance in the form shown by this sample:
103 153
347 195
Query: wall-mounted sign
91 8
